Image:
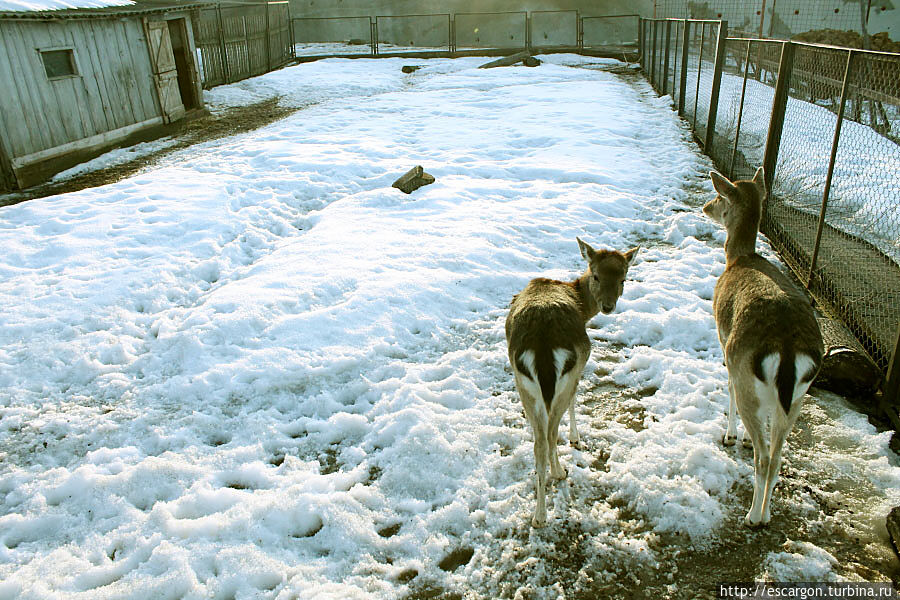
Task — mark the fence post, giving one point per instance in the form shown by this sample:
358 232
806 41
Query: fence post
665 71
579 31
641 43
831 160
268 40
779 104
290 21
452 33
716 83
528 31
699 73
225 69
373 32
891 388
685 54
654 27
737 133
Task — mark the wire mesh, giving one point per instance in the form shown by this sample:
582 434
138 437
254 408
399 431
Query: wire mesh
770 18
332 35
833 210
856 269
747 89
490 30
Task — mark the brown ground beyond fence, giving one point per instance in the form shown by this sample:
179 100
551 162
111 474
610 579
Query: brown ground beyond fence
825 122
237 40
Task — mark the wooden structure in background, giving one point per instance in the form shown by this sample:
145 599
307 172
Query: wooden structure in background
75 83
237 40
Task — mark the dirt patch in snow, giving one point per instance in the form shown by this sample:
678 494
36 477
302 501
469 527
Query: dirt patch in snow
209 127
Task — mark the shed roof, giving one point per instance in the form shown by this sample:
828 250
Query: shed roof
44 5
87 11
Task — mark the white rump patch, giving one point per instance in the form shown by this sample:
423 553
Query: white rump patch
805 367
770 366
560 356
527 359
529 382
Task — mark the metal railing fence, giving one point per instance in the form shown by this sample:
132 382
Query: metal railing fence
239 40
825 122
460 32
610 30
404 33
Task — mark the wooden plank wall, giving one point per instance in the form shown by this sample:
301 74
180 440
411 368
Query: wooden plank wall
238 41
114 87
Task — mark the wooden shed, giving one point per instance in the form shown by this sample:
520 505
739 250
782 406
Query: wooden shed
74 83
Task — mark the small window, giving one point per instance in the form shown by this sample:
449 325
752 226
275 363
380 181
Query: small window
59 63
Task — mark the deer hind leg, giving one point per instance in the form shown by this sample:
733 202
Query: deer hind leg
537 417
557 409
574 438
781 427
572 391
730 436
754 416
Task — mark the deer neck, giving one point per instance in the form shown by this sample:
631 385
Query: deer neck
586 303
741 241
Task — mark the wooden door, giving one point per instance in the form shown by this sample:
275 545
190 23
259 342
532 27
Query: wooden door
165 73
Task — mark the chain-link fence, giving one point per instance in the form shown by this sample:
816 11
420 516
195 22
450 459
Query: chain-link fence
825 122
775 18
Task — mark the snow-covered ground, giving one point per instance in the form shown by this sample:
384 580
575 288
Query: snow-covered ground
258 371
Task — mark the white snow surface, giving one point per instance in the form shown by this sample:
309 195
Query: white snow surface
260 371
40 5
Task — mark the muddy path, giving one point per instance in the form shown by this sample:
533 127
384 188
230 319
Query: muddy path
211 126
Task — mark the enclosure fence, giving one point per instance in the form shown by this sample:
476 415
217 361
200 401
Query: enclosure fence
825 123
773 18
461 32
237 40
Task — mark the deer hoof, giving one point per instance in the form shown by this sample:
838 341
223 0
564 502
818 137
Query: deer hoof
754 525
559 473
747 442
538 523
729 440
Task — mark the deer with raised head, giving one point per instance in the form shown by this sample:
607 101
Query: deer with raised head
769 335
549 346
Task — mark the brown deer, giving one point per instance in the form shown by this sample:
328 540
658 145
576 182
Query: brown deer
548 348
769 335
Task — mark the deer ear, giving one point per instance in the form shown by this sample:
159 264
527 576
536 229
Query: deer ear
629 256
586 251
722 185
760 180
